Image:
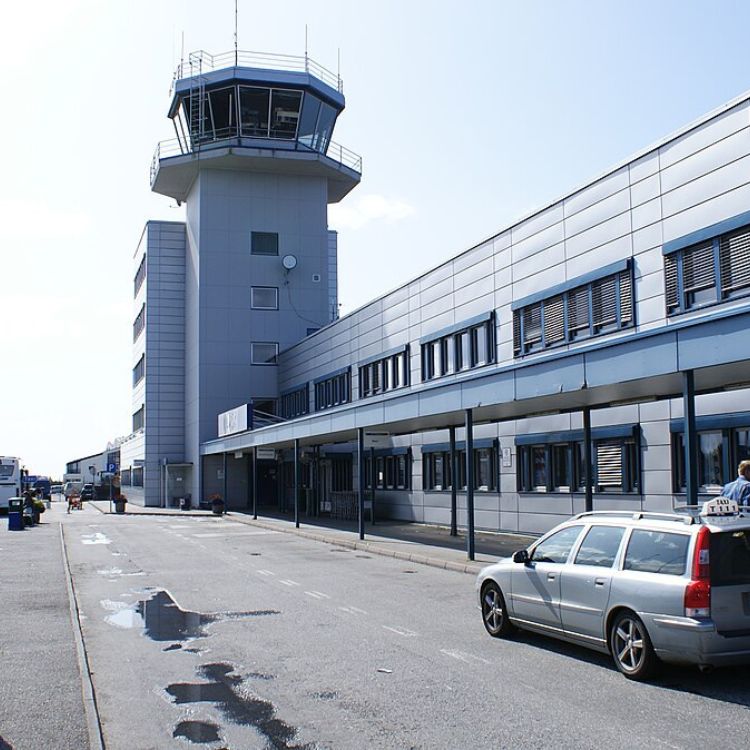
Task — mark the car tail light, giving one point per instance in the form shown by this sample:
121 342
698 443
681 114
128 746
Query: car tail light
698 591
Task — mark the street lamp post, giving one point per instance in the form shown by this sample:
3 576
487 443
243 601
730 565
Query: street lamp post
92 469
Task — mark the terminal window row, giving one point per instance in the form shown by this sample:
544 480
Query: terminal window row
384 374
597 307
139 370
139 419
140 276
719 452
708 272
437 472
333 390
140 322
392 472
559 466
464 349
132 477
295 403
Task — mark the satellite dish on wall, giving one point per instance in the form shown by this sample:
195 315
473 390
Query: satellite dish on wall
289 262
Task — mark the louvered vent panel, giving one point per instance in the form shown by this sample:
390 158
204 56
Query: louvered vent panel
517 331
698 267
532 324
670 282
609 464
554 321
578 311
734 261
626 298
604 301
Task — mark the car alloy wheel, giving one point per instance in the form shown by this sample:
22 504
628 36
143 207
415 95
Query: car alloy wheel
631 647
493 611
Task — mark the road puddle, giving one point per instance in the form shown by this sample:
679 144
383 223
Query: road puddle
224 690
162 619
201 732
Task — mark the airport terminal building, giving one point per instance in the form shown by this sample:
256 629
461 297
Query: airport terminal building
592 355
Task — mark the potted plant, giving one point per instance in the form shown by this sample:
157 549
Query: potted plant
217 504
120 501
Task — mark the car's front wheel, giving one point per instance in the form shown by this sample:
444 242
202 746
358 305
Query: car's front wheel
631 647
494 614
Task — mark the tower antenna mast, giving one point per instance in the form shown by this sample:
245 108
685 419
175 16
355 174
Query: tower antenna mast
235 33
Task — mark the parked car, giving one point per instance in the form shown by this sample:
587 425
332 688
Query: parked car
641 586
56 489
87 492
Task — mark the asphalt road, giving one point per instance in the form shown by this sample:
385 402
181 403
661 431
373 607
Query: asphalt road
240 637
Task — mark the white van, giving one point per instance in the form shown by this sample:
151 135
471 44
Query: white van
70 488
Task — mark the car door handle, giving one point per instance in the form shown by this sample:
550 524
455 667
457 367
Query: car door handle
551 576
600 581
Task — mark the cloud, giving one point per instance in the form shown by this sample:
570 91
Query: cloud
368 208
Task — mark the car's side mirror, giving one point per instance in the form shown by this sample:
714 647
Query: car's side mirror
521 556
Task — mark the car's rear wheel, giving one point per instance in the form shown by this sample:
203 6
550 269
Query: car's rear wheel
494 614
631 647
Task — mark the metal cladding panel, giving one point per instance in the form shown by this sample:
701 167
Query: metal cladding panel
609 207
498 390
442 400
714 342
406 407
631 360
537 241
646 214
548 378
645 190
550 256
534 224
598 191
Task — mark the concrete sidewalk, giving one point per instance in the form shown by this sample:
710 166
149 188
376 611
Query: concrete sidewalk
41 692
417 543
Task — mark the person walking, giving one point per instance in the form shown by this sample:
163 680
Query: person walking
739 489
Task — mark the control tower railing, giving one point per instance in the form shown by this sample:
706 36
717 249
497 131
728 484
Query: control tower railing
176 147
202 62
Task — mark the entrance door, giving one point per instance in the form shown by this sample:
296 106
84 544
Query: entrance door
268 480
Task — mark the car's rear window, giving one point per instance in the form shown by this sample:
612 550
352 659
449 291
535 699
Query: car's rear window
730 558
657 552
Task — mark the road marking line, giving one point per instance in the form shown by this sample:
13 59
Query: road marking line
463 656
289 582
317 595
265 572
228 534
357 610
401 631
348 610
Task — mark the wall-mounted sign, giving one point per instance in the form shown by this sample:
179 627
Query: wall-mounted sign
507 457
265 454
232 421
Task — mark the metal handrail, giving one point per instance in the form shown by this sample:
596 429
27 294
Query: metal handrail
201 61
176 147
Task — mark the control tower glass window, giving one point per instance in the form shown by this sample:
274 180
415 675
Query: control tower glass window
325 127
284 113
254 104
222 112
308 120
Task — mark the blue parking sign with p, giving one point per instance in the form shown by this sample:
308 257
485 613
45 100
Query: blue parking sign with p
111 468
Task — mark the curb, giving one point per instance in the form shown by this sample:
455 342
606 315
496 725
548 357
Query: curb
90 708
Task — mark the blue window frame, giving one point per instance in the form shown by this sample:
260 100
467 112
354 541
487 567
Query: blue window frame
574 311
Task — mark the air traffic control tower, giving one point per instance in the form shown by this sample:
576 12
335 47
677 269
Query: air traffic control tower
255 165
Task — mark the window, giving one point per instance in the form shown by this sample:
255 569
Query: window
140 322
333 390
341 473
392 471
264 353
125 478
264 298
139 370
140 276
462 349
384 374
590 309
599 547
722 442
264 243
438 473
730 558
657 552
708 272
556 548
295 403
138 420
136 476
556 462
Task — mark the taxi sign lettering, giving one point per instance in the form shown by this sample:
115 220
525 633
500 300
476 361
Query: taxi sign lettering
720 506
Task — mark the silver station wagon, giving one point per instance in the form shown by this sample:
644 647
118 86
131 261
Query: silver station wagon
642 586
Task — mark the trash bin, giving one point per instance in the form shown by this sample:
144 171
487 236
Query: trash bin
15 514
119 506
184 503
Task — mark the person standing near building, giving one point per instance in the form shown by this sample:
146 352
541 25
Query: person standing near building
739 490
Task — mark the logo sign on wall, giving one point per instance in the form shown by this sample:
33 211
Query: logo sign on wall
232 421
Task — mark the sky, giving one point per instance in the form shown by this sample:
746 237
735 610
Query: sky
467 117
